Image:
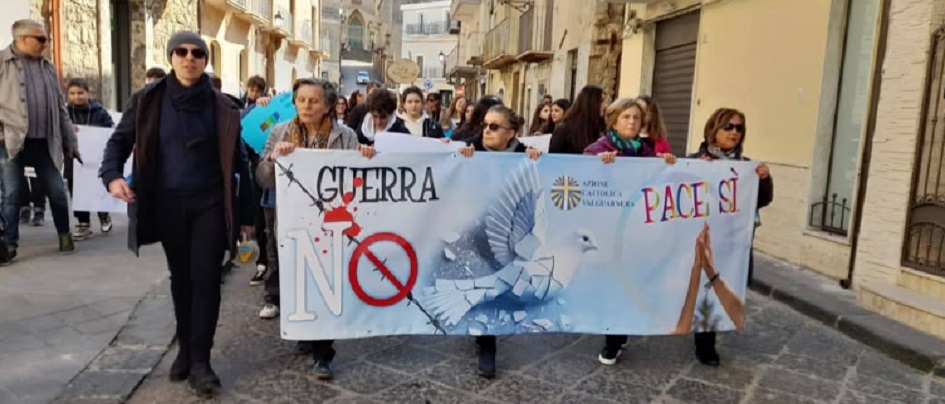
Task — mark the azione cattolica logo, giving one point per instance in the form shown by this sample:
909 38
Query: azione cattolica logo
566 193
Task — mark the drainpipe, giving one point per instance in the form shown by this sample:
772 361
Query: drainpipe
868 144
57 36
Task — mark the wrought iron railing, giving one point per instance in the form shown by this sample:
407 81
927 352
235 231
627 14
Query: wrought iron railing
452 59
427 28
535 30
831 215
262 8
434 72
924 242
499 41
304 32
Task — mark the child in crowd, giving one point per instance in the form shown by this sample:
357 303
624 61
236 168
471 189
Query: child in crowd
87 112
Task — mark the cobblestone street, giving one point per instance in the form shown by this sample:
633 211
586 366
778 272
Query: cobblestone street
782 357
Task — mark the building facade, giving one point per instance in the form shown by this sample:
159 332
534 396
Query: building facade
843 101
111 43
537 47
426 40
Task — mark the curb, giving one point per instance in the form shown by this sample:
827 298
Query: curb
837 308
137 348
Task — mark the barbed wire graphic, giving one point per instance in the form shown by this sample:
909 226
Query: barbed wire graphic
318 203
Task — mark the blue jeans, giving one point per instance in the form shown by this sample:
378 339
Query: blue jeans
35 154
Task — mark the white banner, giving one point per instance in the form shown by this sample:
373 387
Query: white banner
436 243
88 193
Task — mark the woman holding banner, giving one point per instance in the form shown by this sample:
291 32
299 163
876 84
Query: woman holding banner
314 127
582 124
500 127
625 119
724 137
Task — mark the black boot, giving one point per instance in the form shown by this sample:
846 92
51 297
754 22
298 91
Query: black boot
487 348
180 369
203 380
705 349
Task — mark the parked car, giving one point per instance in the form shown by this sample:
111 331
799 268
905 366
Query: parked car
363 77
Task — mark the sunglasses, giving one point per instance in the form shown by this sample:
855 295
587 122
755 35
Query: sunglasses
196 52
733 127
39 38
494 127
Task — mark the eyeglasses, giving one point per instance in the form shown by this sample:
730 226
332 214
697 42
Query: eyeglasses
39 38
494 127
197 53
733 127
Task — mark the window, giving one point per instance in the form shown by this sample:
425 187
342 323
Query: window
832 212
215 57
420 62
355 34
924 242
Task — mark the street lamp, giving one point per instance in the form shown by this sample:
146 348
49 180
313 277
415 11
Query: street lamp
443 62
278 19
341 41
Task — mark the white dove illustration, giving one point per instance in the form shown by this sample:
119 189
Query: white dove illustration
530 269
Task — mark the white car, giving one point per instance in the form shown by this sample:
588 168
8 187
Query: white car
363 77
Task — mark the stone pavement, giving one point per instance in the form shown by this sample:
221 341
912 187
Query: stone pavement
782 357
58 312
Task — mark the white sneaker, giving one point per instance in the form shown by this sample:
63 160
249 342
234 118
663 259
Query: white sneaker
82 232
269 312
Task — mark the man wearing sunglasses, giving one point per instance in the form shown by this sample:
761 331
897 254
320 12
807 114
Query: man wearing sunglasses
190 191
36 132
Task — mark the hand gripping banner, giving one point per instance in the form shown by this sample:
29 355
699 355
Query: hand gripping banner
435 243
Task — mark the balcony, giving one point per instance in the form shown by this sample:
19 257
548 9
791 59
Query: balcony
255 12
456 66
432 73
534 35
428 28
235 6
472 49
463 10
303 35
501 46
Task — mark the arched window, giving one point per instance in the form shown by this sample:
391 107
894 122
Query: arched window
215 58
355 34
244 66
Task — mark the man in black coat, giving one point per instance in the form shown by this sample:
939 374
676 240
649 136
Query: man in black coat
186 139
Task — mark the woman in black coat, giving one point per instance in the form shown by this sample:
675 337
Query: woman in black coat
724 136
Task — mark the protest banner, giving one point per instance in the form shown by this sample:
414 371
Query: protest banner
257 124
540 142
436 243
88 193
400 142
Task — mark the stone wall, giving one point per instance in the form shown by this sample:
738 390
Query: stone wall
80 42
168 17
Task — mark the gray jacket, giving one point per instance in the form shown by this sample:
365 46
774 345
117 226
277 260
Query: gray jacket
13 119
341 138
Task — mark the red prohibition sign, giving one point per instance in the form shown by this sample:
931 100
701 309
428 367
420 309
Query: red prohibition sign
402 289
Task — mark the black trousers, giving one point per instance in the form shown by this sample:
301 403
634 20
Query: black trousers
262 239
487 343
32 192
193 232
272 252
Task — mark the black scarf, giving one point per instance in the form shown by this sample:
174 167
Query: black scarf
193 99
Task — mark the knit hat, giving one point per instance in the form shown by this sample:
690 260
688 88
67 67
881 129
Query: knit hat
185 37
